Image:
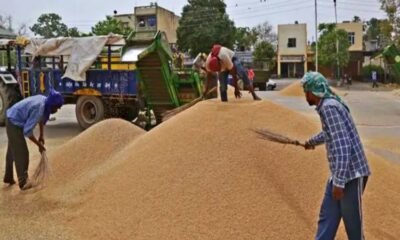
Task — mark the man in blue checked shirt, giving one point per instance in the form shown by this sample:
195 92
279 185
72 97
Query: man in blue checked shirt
347 161
21 120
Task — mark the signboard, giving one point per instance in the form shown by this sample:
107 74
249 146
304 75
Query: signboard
292 58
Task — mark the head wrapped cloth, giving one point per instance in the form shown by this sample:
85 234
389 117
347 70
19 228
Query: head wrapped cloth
317 84
55 99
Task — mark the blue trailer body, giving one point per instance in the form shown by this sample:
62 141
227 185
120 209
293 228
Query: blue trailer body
107 82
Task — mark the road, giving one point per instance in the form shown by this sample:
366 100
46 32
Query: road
376 113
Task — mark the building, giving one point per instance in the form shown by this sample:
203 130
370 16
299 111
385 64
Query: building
147 20
128 20
292 50
355 36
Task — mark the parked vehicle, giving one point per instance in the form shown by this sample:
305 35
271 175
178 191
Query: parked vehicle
124 78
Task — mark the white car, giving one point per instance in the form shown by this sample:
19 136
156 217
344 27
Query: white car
271 85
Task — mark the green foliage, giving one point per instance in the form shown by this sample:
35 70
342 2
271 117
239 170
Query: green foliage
50 26
264 52
245 38
73 32
356 19
203 24
110 25
392 9
367 71
327 47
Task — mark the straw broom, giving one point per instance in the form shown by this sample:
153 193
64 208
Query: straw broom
42 170
168 114
276 137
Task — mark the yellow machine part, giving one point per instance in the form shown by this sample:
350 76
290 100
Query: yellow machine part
117 66
87 92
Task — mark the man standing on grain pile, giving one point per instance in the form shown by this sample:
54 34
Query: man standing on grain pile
21 120
347 161
221 60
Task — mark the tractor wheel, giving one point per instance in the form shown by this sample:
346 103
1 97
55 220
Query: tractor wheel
89 110
8 97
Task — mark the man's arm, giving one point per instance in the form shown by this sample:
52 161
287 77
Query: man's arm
317 139
38 143
41 136
341 144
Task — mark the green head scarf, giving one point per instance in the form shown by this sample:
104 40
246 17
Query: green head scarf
316 83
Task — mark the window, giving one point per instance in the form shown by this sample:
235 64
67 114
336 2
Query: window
351 37
291 43
151 20
142 23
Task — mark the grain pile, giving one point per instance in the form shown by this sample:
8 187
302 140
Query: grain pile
79 162
204 175
392 144
296 90
293 90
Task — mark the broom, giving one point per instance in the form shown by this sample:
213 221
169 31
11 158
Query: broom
168 114
276 137
42 170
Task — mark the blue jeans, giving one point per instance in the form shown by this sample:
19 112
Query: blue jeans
348 208
223 77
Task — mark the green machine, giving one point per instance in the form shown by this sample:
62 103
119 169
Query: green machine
161 87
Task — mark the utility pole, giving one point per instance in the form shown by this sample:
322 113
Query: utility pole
316 37
337 46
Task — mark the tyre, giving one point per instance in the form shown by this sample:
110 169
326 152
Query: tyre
8 97
262 86
89 110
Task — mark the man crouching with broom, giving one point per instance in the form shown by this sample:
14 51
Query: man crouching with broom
347 161
21 121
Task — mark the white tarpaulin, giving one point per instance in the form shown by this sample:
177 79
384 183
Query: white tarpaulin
82 52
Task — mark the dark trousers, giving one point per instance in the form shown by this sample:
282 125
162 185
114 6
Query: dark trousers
374 84
348 208
17 151
223 78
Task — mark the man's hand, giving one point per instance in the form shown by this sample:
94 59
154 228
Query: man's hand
41 140
238 94
309 146
41 148
337 193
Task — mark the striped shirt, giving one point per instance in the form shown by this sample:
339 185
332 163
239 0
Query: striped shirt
346 156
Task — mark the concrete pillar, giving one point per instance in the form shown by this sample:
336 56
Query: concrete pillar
279 65
305 64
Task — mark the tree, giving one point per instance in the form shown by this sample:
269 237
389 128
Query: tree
327 55
265 32
245 38
22 29
392 8
49 26
204 23
264 52
6 23
356 19
73 32
110 25
379 30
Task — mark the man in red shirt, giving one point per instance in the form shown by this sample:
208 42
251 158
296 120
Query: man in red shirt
221 60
